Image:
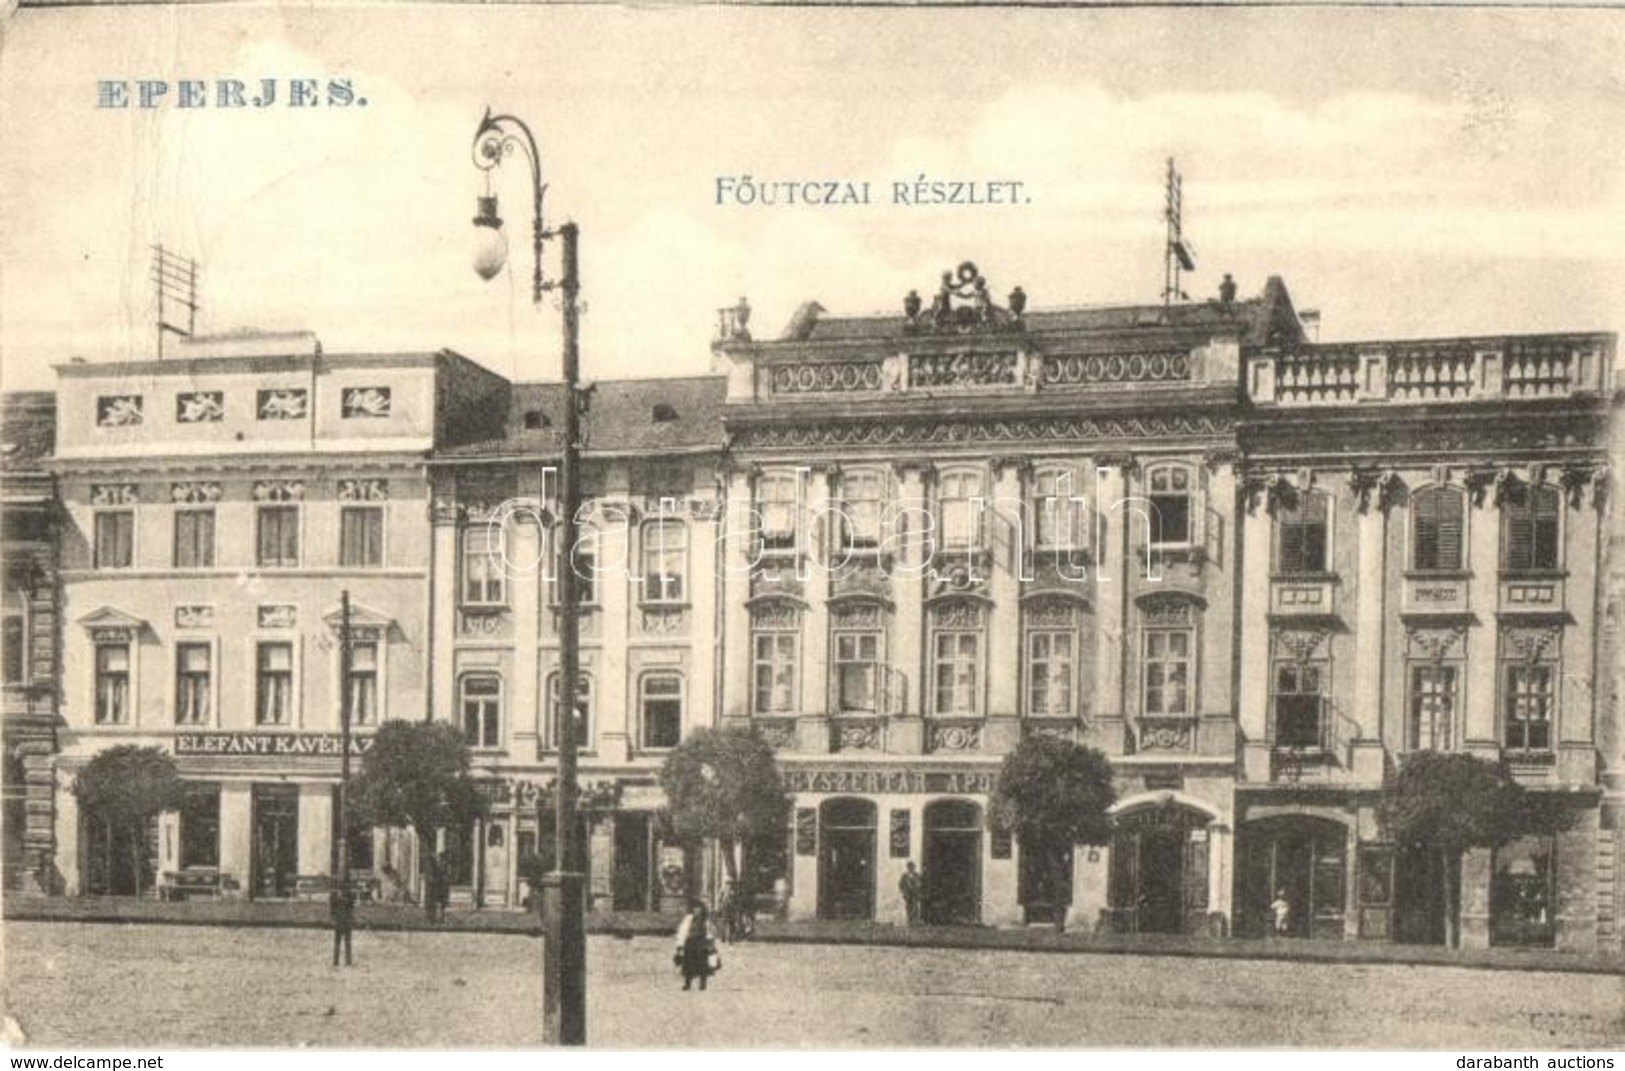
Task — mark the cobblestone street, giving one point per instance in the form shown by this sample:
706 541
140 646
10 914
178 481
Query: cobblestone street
184 987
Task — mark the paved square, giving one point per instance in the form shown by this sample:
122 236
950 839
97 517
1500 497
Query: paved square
186 986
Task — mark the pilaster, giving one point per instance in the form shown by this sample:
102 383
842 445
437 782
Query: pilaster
1483 563
1369 612
1253 700
1111 582
315 828
905 733
736 570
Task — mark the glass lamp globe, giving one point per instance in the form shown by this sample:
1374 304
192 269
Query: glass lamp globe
491 245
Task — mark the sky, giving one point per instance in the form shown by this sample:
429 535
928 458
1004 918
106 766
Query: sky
1409 173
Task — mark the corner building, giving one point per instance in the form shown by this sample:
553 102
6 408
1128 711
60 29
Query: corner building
971 524
214 507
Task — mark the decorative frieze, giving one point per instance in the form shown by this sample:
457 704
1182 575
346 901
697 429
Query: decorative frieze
288 403
855 615
826 377
1386 486
663 621
954 737
776 615
114 494
279 490
359 490
1532 643
200 407
1088 370
1441 644
194 616
1051 613
962 614
365 402
1166 736
195 492
279 615
118 411
780 733
855 736
1300 645
1046 430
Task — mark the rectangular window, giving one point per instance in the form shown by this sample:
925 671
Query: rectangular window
1298 705
1170 505
115 539
665 561
112 683
662 702
482 710
1301 529
1057 515
1433 703
585 560
1529 702
960 508
194 538
274 686
363 683
361 537
857 672
1167 672
1049 673
482 567
863 502
776 508
957 672
278 535
774 673
1439 516
1529 527
193 677
583 711
200 826
14 649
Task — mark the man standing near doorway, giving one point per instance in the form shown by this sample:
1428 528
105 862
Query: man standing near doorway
911 885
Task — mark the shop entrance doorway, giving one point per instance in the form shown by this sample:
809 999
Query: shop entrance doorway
276 840
953 863
846 859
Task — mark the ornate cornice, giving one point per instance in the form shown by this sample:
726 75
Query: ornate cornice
970 432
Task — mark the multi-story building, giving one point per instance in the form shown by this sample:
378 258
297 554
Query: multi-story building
28 648
648 561
215 506
1423 566
976 523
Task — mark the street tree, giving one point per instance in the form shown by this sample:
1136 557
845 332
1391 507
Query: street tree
1446 802
1052 795
416 775
125 788
723 785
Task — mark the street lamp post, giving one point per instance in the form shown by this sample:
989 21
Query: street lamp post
564 972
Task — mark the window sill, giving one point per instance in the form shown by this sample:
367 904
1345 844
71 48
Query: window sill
1438 574
1306 578
1531 757
1534 574
483 607
657 607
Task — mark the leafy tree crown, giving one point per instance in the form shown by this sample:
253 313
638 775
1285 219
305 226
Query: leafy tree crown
724 784
1054 791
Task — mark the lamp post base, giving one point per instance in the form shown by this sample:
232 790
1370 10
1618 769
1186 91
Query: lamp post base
564 959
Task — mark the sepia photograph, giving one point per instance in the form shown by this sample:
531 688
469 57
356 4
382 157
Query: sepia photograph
812 528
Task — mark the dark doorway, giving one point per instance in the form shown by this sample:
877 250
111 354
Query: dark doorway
1159 871
953 863
1419 907
1301 859
634 873
846 859
1046 882
276 840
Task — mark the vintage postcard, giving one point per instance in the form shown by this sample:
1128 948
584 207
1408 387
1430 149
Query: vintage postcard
753 527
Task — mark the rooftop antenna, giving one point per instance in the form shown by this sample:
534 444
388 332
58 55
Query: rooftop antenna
1180 255
175 279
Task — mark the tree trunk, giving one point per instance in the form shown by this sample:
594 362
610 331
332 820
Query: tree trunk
1447 881
138 835
1057 881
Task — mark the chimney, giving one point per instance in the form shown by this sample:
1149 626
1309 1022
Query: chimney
1227 291
1310 318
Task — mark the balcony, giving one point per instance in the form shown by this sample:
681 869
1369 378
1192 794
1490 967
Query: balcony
1448 370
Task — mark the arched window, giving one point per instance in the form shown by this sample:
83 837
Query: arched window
1438 519
583 709
480 705
1302 533
1529 529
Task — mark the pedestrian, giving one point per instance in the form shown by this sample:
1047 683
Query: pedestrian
696 954
431 886
728 908
910 885
442 887
341 901
1281 912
